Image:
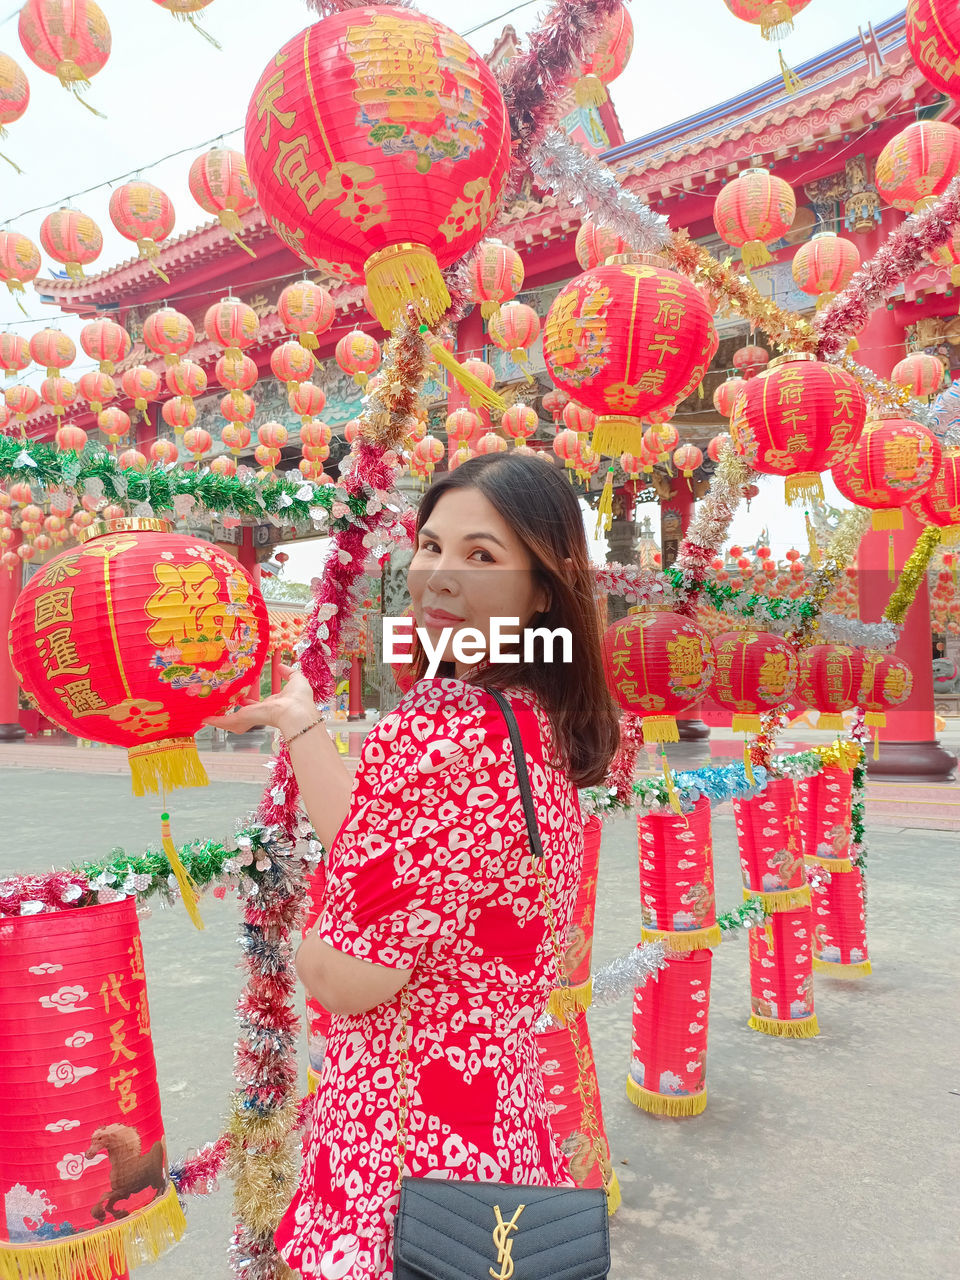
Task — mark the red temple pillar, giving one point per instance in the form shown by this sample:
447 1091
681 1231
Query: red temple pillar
247 555
355 709
676 512
10 582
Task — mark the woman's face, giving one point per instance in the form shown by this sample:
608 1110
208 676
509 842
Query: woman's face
469 567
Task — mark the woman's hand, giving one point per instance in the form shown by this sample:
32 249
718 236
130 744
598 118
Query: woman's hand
289 710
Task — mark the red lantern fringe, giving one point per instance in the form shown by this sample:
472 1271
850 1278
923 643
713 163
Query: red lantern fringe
781 976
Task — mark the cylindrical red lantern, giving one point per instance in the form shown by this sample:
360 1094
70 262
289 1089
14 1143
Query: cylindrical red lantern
421 162
671 1016
52 350
939 503
749 361
165 608
144 214
168 333
625 340
892 463
756 671
829 681
933 37
825 265
142 386
105 341
752 211
19 260
657 665
826 819
220 184
97 388
916 166
71 238
291 363
69 39
771 855
773 17
83 1157
306 309
798 419
725 396
358 354
186 378
496 276
233 325
840 926
14 354
922 374
677 899
781 976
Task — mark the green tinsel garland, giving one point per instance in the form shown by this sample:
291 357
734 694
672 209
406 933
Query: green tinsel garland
252 497
748 915
747 604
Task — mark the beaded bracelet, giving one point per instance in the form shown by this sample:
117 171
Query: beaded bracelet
300 732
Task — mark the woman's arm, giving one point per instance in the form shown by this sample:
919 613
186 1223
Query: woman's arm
325 781
342 983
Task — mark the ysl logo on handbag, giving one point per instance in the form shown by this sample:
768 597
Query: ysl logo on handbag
501 1233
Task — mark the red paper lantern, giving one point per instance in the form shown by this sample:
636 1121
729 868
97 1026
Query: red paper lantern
826 817
197 442
267 457
658 441
687 458
52 350
657 665
577 418
749 361
180 413
238 408
496 276
83 1157
677 899
939 503
71 437
887 682
830 680
220 184
520 422
59 393
69 39
105 341
273 435
463 428
97 388
71 238
554 402
725 396
752 211
756 671
799 418
416 160
114 424
306 309
768 837
316 453
921 374
915 168
825 265
141 385
611 54
840 926
132 460
291 363
21 401
235 437
625 340
189 631
563 1071
773 17
716 444
358 354
933 37
311 433
671 1016
186 379
892 463
19 260
596 243
233 325
168 333
490 442
14 92
237 375
781 976
514 328
144 214
223 466
14 354
307 400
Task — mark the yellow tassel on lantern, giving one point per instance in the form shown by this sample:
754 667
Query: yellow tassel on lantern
589 91
567 1002
748 764
71 77
12 163
791 81
746 723
831 969
615 434
891 559
664 1104
686 940
605 505
754 254
891 518
852 346
780 900
489 307
149 250
802 487
829 864
188 889
830 720
165 765
229 219
404 275
479 392
815 556
660 729
792 1029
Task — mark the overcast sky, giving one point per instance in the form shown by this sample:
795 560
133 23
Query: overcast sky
166 90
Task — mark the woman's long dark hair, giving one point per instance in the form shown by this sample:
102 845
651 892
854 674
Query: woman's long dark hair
541 508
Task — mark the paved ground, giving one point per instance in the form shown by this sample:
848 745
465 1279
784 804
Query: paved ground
830 1157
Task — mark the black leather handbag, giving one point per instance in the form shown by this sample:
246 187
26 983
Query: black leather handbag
448 1230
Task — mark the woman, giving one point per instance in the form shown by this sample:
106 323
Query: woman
430 878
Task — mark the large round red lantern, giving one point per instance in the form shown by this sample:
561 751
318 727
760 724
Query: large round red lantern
749 361
657 665
291 363
53 350
610 56
725 396
233 325
19 260
520 422
69 39
306 309
892 463
186 630
168 333
825 265
514 328
596 243
496 276
106 342
238 407
830 679
939 503
920 373
358 354
144 214
916 166
752 211
756 671
796 420
71 238
220 184
773 17
933 37
626 339
14 354
186 378
396 173
141 385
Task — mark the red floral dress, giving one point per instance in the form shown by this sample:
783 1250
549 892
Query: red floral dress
431 871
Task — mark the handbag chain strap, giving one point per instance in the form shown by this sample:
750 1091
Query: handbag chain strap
589 1114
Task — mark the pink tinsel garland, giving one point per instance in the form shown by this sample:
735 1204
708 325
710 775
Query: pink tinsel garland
904 251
